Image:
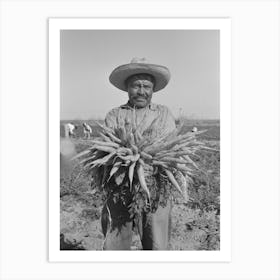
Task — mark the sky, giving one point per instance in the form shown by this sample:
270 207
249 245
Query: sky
89 56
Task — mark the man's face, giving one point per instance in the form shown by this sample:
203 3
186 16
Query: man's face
140 90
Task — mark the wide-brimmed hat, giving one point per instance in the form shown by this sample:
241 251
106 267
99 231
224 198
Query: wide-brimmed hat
160 73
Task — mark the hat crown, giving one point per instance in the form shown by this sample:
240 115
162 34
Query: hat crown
139 60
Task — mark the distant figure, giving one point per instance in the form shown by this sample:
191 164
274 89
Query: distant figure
87 130
194 129
69 130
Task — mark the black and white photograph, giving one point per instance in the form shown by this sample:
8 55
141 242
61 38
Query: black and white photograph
139 140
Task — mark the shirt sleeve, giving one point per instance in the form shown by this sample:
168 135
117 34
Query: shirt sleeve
111 119
163 124
168 120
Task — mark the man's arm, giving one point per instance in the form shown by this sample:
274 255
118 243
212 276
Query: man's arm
170 120
111 119
167 120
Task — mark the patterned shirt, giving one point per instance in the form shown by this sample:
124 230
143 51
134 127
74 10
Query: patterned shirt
156 117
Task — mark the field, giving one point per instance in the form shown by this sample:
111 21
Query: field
195 225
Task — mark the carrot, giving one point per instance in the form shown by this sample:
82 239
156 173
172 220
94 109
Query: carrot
104 137
109 144
124 136
105 149
81 154
146 155
160 163
134 149
131 172
124 151
132 158
114 169
113 137
141 178
173 181
171 159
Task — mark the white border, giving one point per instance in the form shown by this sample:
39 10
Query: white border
55 25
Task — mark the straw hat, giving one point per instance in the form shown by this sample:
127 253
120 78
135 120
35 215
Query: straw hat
160 73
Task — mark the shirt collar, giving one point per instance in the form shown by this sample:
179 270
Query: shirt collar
151 106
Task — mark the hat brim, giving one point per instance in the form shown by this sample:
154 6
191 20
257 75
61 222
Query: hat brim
121 73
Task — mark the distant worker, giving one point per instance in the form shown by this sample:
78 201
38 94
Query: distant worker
194 129
87 130
69 130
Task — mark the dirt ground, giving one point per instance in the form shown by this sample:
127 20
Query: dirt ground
81 228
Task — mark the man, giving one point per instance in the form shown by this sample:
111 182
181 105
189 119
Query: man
194 129
69 130
140 80
87 130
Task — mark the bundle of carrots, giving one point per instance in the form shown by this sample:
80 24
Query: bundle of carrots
169 153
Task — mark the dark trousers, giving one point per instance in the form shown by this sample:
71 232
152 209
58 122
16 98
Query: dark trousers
154 228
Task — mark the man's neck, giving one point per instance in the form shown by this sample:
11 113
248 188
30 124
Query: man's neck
134 106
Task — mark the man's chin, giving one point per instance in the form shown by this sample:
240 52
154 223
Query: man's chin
140 104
